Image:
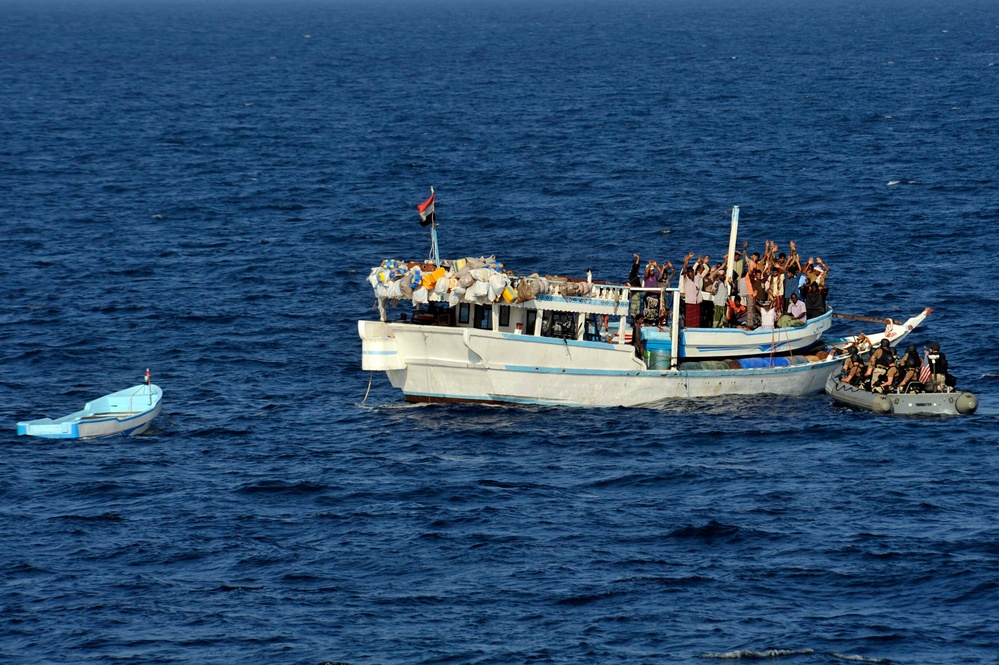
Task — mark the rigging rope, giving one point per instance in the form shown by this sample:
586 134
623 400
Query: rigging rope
370 377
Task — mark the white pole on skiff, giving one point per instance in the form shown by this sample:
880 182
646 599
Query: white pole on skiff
732 236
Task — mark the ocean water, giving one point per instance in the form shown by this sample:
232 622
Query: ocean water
201 187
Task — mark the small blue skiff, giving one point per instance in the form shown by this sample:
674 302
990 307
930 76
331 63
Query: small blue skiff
126 412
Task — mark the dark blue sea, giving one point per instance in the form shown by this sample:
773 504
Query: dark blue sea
201 187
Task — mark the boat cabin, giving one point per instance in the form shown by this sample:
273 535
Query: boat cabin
598 316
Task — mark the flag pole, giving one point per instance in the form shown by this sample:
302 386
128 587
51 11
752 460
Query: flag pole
435 256
428 217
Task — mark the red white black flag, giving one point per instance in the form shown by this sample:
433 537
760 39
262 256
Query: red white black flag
426 210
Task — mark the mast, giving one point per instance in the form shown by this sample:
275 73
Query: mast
674 333
733 235
435 255
428 217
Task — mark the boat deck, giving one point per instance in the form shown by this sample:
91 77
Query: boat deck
111 414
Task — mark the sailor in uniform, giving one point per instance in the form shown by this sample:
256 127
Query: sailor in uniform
937 361
910 365
852 367
881 359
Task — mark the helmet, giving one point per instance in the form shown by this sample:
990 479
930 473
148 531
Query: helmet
885 343
911 350
934 346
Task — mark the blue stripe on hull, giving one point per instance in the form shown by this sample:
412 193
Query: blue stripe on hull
694 373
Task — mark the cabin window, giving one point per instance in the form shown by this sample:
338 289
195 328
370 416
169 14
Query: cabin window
504 316
436 314
561 325
594 324
532 318
463 312
483 317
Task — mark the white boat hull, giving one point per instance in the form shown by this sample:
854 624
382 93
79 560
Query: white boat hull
435 364
893 332
125 426
126 412
698 343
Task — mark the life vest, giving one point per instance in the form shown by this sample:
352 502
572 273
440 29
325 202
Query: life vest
883 358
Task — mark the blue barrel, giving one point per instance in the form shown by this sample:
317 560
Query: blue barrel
780 361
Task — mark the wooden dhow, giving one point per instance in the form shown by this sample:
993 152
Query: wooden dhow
479 333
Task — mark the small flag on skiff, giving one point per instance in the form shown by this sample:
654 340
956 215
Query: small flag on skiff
924 373
426 210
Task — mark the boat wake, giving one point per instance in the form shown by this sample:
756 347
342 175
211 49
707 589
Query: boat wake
724 404
405 406
780 653
766 653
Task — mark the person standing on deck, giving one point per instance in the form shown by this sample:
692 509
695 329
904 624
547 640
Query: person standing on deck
756 292
636 336
775 289
738 266
665 278
794 277
635 280
655 274
707 292
691 288
720 300
815 305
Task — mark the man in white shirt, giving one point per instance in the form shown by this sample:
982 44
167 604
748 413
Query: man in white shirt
768 316
797 311
692 298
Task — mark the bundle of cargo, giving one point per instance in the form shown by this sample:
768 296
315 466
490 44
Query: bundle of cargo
471 280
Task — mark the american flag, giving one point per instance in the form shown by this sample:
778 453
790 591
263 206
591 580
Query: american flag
924 373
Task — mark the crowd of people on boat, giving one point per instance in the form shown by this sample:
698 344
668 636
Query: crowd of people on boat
775 290
885 372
